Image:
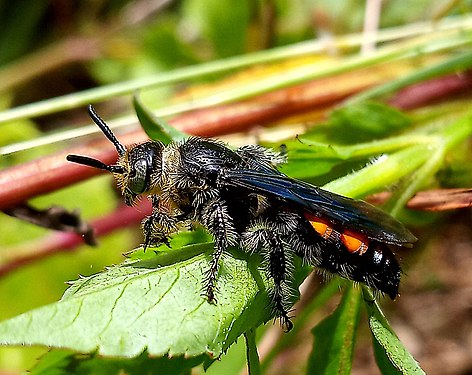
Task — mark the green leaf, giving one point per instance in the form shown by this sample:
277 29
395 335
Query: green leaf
64 362
156 128
53 362
391 356
154 305
333 149
365 121
335 337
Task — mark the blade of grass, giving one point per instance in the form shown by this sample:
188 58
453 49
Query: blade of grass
253 364
411 49
306 73
156 128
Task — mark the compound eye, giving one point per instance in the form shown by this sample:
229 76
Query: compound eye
138 177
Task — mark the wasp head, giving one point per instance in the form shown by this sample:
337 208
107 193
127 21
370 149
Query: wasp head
140 167
136 168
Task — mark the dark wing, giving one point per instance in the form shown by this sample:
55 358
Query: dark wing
340 211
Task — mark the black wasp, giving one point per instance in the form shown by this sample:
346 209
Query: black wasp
243 200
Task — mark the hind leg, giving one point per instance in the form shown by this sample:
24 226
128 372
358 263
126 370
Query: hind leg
262 236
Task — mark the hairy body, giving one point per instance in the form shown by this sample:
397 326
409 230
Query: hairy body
243 200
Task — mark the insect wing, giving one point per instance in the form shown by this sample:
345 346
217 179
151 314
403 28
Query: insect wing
340 211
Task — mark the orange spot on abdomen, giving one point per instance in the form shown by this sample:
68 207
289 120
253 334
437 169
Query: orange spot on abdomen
355 242
320 226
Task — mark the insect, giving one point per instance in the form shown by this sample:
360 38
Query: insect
243 200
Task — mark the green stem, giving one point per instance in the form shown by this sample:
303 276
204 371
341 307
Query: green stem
419 161
298 75
384 171
362 150
443 141
253 363
416 180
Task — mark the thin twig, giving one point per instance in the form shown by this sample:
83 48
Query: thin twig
60 242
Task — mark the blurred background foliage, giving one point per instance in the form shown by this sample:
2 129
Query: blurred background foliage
50 48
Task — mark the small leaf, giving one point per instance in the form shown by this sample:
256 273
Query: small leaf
156 128
366 121
391 356
335 337
154 305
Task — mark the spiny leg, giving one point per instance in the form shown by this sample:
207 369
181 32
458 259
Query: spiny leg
278 271
263 236
158 226
214 216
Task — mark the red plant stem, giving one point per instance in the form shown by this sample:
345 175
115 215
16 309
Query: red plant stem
428 92
267 108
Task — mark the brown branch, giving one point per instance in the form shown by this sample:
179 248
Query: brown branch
55 218
59 242
432 200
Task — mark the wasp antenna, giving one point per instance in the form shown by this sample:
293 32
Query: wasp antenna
106 130
85 160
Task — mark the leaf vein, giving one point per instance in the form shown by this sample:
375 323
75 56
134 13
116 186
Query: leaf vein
78 311
150 308
110 319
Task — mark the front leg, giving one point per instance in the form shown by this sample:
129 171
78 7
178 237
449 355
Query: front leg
214 216
158 226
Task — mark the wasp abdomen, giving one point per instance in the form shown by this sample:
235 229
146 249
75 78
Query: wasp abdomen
356 257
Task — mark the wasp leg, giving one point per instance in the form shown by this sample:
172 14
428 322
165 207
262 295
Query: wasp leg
263 237
158 226
214 216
